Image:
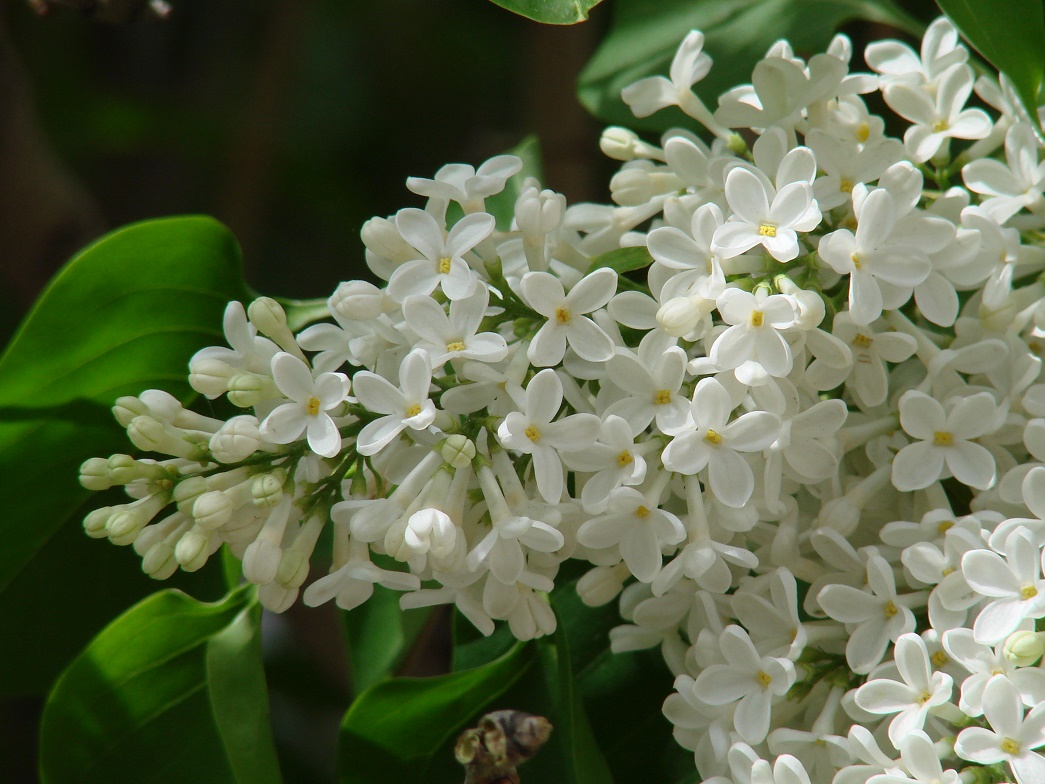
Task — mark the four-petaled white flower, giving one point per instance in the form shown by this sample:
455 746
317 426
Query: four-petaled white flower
442 262
406 406
567 321
307 412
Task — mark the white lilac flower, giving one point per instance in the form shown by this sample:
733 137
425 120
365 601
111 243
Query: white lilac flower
749 679
1014 583
441 263
764 216
532 431
405 406
454 336
614 460
1014 185
921 764
716 442
876 618
911 700
311 400
566 319
1012 736
897 62
467 186
944 446
651 380
985 663
754 346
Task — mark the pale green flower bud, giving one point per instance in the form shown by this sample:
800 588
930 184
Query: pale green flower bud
267 489
458 450
293 569
210 377
601 585
381 236
188 491
736 144
618 143
237 439
159 562
261 561
94 474
268 316
213 509
94 522
193 549
679 316
246 390
124 526
1024 648
360 300
127 408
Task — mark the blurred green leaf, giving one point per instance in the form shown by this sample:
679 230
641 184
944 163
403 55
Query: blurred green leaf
1010 36
173 690
379 636
124 315
646 33
393 730
558 12
622 260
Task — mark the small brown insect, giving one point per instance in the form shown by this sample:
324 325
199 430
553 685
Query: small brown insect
503 740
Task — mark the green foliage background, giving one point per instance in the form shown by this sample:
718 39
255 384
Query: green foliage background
294 126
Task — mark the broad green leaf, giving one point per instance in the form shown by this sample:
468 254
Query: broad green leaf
646 33
558 12
1010 35
302 312
379 635
622 260
172 690
397 729
124 315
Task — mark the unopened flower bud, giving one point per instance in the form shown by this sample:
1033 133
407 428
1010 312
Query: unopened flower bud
618 143
246 390
127 408
124 526
1023 648
188 491
293 569
381 236
210 377
159 562
94 522
212 509
193 549
359 300
539 212
736 144
679 316
600 585
148 434
236 440
458 450
261 561
268 316
162 405
267 489
94 474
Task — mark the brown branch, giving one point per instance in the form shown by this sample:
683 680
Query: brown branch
503 740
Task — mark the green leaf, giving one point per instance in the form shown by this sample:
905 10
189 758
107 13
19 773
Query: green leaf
124 315
622 260
1010 35
302 312
557 12
379 635
173 690
395 730
646 33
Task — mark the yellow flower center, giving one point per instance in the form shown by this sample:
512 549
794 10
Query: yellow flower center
713 438
942 438
312 406
757 317
940 126
924 697
533 434
845 186
1029 592
625 458
939 659
562 315
414 410
663 397
767 230
863 132
444 265
945 526
948 570
1010 746
857 262
862 341
764 678
641 512
889 609
456 345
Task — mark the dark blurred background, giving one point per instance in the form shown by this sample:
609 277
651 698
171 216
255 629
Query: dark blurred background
293 122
